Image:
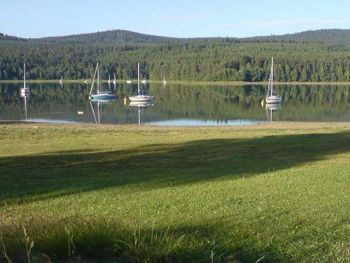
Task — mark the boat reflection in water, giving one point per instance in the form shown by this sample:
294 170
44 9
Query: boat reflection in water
25 92
140 105
96 113
25 97
270 109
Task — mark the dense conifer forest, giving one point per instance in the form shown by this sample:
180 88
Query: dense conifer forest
322 55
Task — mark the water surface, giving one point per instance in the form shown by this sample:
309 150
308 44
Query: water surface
179 105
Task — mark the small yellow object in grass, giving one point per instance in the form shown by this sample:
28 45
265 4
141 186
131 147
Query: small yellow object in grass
262 103
80 112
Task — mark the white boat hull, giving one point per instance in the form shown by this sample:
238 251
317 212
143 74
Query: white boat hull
140 98
24 92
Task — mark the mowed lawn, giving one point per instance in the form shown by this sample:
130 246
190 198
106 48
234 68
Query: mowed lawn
269 193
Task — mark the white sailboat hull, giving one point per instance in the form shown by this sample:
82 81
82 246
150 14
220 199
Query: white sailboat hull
24 92
273 99
140 98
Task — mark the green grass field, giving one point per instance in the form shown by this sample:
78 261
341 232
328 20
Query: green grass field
270 193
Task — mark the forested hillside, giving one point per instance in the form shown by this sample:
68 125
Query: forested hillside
109 37
309 56
330 36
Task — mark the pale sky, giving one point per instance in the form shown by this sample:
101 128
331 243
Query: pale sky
177 18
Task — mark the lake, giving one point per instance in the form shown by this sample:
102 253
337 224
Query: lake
181 105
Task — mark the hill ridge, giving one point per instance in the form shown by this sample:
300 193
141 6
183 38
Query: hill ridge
331 36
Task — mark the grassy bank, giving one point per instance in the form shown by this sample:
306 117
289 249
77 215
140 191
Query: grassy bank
274 193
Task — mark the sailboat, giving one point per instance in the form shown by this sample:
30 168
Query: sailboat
139 97
104 96
25 90
164 81
272 98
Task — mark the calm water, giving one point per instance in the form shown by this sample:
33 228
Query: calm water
180 105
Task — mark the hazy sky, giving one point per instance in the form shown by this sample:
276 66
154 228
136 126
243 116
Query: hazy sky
177 18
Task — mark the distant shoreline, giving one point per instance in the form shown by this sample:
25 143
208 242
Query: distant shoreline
186 82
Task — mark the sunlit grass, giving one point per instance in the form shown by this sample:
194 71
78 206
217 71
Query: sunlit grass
275 193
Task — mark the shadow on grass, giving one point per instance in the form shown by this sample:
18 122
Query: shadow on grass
78 240
25 178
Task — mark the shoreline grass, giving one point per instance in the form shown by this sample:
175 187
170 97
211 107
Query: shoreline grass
119 193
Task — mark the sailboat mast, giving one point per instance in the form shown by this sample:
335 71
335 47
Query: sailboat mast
138 78
93 79
271 76
98 80
24 75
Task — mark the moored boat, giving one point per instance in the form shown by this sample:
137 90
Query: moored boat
272 98
99 95
139 97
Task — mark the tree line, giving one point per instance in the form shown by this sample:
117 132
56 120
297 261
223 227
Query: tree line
216 60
